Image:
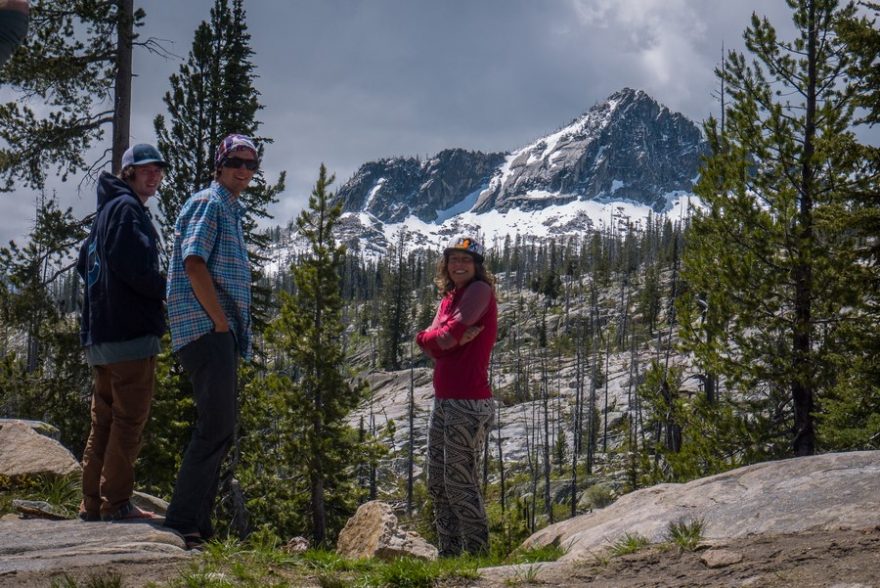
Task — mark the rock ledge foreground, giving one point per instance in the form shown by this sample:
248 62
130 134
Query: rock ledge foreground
833 494
829 491
35 545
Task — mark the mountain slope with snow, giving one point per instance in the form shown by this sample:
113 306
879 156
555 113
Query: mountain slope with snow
626 158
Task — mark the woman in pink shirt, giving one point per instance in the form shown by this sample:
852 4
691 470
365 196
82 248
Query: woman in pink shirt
460 341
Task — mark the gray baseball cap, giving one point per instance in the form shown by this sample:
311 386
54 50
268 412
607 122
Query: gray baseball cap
142 154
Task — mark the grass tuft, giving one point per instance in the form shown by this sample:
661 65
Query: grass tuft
106 581
629 543
686 534
550 552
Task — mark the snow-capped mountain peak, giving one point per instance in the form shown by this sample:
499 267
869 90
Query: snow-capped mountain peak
624 158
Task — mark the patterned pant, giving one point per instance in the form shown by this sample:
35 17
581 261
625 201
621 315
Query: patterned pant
456 435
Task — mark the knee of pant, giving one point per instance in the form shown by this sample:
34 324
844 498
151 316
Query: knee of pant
436 486
100 428
128 426
216 429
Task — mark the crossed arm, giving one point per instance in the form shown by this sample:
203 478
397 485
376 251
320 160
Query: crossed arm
460 327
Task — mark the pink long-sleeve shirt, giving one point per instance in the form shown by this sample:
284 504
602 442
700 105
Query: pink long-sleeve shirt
461 371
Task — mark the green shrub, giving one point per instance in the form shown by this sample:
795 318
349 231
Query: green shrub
600 495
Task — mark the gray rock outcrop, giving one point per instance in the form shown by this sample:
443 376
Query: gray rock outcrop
831 491
393 189
26 453
719 558
373 531
628 148
56 546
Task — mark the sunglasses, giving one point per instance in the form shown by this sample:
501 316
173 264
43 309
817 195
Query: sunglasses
237 162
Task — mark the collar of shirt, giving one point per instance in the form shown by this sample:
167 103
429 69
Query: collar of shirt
230 202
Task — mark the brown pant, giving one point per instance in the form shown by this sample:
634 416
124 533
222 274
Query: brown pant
120 408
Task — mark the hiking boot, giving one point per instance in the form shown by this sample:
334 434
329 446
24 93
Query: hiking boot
129 512
87 515
194 542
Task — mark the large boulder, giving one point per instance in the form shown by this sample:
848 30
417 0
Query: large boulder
145 501
65 546
25 453
41 427
831 491
373 531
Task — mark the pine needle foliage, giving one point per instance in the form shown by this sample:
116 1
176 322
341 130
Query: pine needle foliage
321 448
68 74
774 250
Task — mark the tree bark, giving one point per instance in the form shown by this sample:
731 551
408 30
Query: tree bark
122 97
802 388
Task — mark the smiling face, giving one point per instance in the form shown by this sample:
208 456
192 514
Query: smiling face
237 179
146 180
461 268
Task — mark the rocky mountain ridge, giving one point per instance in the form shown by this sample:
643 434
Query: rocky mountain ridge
628 147
628 156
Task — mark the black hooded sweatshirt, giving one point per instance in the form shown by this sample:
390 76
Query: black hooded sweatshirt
119 263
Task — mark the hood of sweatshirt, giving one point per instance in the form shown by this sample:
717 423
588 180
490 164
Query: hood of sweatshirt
110 187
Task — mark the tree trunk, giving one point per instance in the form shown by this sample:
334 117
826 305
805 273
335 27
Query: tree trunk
545 393
122 95
802 388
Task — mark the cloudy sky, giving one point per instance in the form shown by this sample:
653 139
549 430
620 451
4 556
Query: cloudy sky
346 81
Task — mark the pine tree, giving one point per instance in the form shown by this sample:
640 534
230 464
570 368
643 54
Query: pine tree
394 318
852 417
75 61
774 252
320 397
211 96
46 379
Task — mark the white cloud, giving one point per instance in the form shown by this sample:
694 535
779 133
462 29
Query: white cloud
660 37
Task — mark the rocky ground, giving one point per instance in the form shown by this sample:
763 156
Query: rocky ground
827 559
838 559
811 521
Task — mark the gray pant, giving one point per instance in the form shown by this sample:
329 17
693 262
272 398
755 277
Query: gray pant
456 434
212 365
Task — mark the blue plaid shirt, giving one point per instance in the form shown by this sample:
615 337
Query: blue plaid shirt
209 226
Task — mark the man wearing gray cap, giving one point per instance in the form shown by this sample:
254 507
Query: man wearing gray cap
122 321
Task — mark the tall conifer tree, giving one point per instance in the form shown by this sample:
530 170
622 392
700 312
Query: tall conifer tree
773 251
394 320
319 397
211 96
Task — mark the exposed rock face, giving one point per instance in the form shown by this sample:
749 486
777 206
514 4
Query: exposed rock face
151 503
26 453
373 532
626 148
39 426
720 558
40 545
629 147
394 189
835 490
